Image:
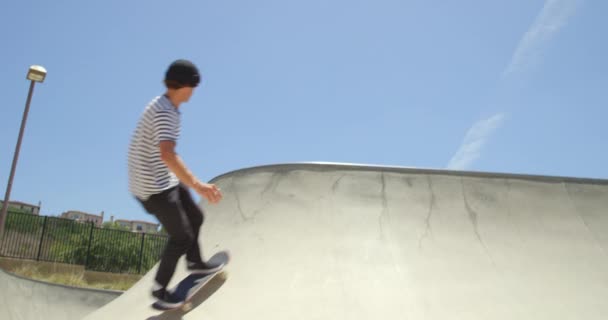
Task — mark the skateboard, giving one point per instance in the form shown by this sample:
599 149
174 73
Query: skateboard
191 284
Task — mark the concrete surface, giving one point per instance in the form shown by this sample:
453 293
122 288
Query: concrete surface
323 241
47 268
12 264
25 299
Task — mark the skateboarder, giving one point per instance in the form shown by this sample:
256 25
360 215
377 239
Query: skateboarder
160 181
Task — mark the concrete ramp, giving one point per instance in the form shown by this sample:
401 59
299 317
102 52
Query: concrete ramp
25 299
323 241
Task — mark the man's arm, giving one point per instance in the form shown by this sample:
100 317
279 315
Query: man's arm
178 167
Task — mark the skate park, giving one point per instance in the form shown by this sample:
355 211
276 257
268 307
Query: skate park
467 143
346 241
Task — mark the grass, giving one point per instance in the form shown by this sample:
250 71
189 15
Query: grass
71 279
122 285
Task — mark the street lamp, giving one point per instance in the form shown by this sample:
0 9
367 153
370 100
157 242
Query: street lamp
34 74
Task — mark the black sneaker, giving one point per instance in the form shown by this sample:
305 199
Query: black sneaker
203 268
166 299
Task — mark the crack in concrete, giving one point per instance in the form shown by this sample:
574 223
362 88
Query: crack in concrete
429 230
580 216
471 213
272 185
334 187
238 200
512 219
473 217
384 211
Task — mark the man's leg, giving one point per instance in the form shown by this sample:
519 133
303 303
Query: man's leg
196 217
168 209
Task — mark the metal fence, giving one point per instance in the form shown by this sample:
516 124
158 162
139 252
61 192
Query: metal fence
51 239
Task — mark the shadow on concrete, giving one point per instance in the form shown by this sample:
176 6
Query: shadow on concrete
215 284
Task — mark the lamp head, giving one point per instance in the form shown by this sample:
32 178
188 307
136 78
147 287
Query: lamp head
36 73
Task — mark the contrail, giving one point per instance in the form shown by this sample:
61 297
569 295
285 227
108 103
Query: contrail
476 138
550 20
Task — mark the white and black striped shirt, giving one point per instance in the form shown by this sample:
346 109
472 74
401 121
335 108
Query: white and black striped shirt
148 174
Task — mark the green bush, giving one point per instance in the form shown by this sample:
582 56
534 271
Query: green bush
107 249
23 222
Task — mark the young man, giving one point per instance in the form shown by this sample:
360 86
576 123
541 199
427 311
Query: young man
160 181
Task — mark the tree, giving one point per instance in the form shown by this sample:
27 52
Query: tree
114 226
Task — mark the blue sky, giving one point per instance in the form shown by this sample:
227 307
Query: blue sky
502 86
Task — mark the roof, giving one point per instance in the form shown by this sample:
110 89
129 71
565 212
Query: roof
82 212
22 203
136 221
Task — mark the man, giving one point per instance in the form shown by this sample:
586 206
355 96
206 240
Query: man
160 181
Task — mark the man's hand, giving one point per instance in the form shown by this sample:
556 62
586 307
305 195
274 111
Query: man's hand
209 191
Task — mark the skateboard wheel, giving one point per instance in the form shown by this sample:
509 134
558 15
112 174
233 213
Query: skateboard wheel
187 306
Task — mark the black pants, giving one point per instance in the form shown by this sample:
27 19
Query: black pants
182 219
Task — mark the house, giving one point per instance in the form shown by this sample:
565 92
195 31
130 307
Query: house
23 207
84 217
139 226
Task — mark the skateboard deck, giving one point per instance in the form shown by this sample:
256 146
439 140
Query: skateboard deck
192 283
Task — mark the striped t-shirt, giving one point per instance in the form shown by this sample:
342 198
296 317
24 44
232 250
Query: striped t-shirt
148 174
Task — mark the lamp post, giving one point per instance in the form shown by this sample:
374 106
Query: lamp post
34 74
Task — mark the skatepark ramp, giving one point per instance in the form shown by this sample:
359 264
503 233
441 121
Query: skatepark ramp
328 241
25 299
